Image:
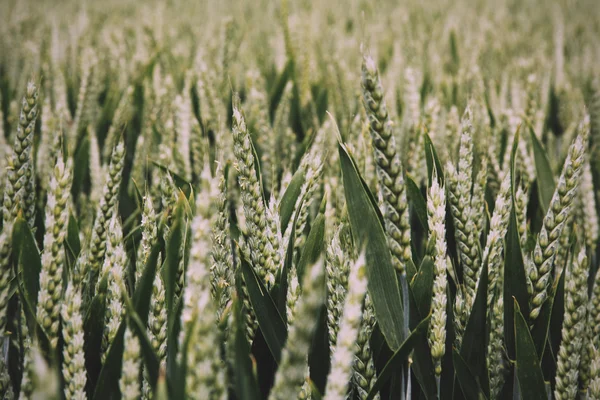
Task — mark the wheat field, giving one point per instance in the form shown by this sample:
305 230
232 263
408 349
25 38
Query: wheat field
299 200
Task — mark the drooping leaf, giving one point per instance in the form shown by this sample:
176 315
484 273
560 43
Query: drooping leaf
529 372
369 234
269 320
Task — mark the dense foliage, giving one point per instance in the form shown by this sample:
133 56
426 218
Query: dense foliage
295 199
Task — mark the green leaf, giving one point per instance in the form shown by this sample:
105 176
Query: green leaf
466 378
515 281
138 327
529 372
474 345
80 166
171 264
319 360
28 262
108 381
93 328
313 247
422 366
246 386
422 285
539 332
543 171
143 288
288 201
431 158
179 181
269 320
395 362
72 239
368 233
279 87
418 203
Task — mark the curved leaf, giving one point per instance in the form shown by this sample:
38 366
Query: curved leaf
368 233
290 197
269 320
432 159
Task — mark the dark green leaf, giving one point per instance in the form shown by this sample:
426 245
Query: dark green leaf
27 261
422 286
108 381
143 288
422 366
319 360
466 378
529 372
72 239
80 166
246 386
474 346
543 171
539 332
288 201
432 159
138 327
179 181
515 283
313 246
172 258
368 233
418 203
395 363
93 328
279 87
269 320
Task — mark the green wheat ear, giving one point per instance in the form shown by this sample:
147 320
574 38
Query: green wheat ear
389 168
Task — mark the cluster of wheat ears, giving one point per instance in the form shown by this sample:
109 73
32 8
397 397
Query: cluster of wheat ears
339 200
